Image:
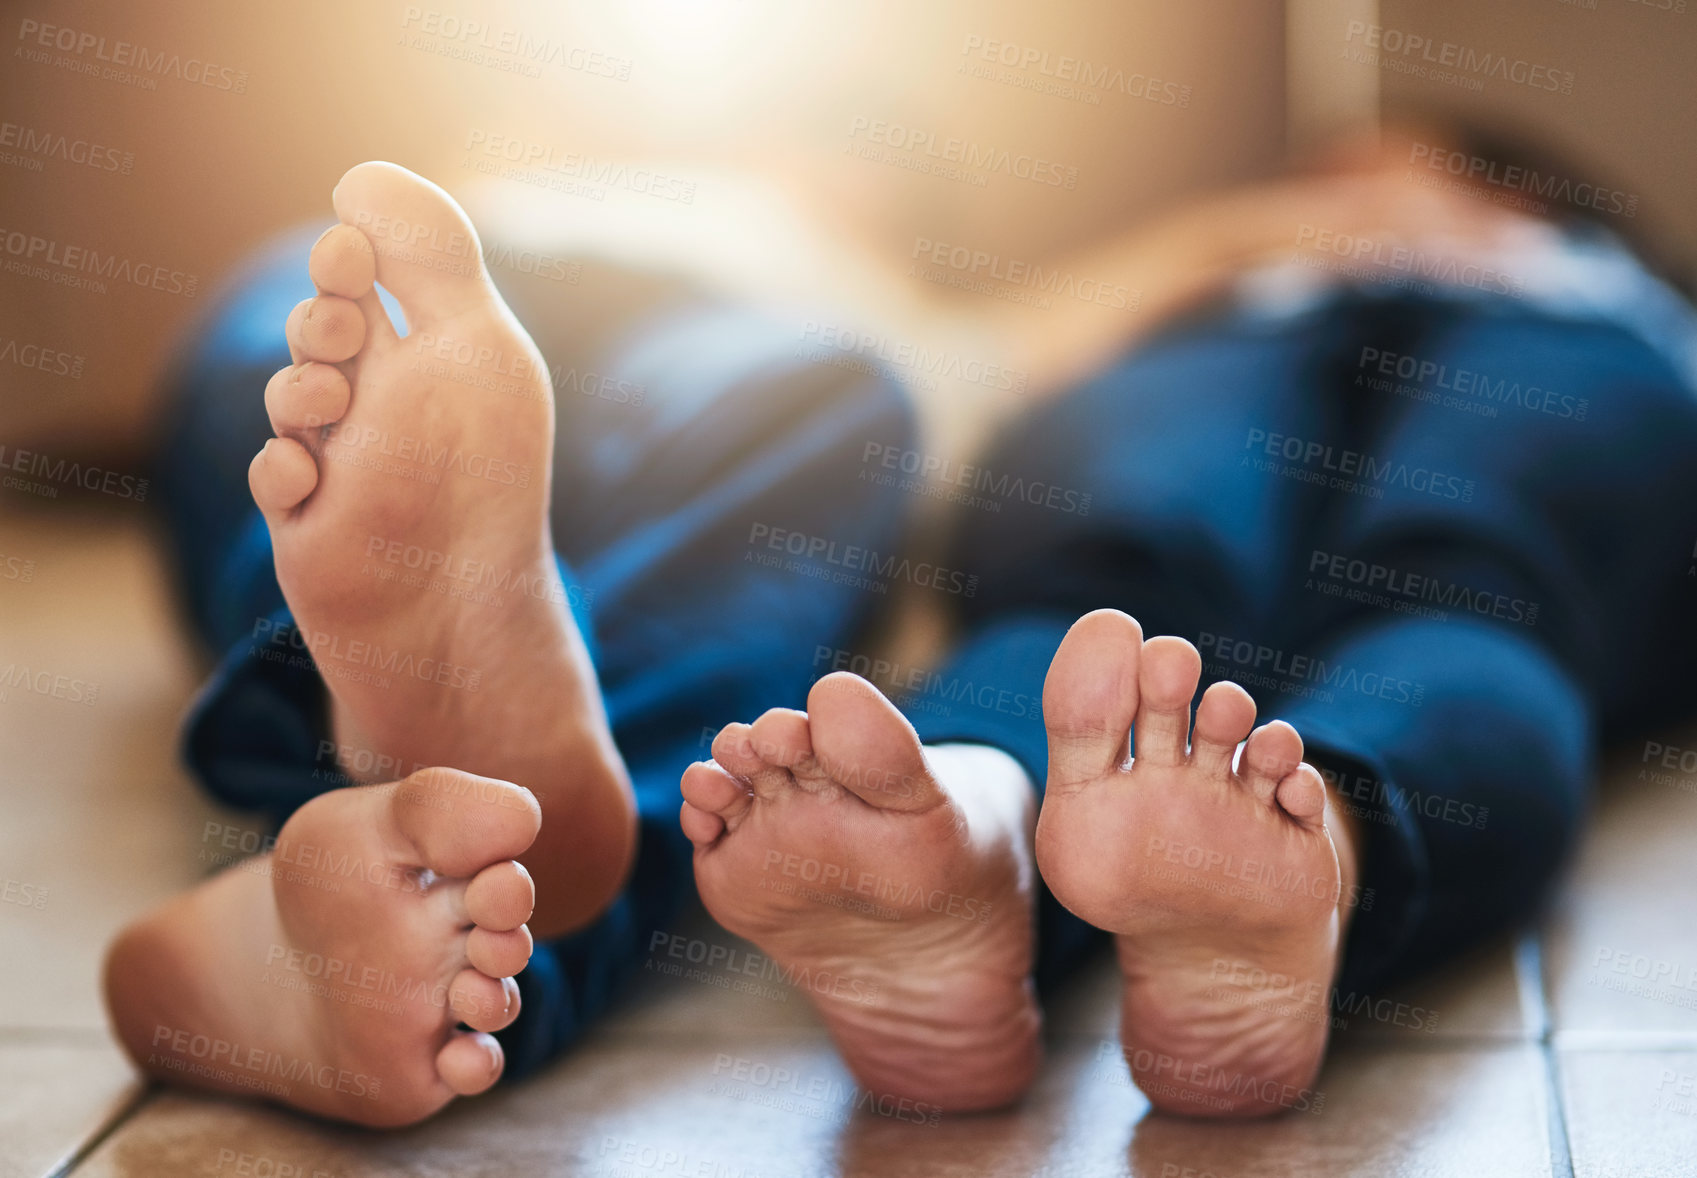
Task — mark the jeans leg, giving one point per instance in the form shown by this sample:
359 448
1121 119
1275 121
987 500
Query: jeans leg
1483 626
1133 492
697 439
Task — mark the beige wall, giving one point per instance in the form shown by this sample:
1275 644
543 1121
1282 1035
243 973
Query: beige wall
1630 122
772 88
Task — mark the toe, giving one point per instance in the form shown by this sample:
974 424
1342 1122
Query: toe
1090 697
700 827
483 1003
708 787
325 328
1223 720
304 397
470 1062
342 262
499 954
733 749
280 476
863 743
457 823
1274 750
1166 683
783 738
1302 794
500 897
427 253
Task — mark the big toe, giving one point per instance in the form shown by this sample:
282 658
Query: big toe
427 252
458 823
864 744
1091 696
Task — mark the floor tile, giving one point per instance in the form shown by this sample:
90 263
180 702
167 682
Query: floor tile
56 1094
1621 951
1631 1113
100 821
632 1106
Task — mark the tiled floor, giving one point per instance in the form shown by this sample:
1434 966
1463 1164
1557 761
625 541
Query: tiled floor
1597 1078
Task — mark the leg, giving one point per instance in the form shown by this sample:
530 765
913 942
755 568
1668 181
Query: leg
1430 728
1515 629
778 786
665 468
1157 510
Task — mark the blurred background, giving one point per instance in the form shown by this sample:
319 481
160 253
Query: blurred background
807 154
751 109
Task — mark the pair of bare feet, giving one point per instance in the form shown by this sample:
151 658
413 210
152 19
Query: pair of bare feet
359 968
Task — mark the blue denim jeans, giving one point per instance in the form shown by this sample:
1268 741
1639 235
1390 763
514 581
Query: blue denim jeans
1448 541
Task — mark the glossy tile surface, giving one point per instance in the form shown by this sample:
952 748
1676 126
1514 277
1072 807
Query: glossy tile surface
702 1074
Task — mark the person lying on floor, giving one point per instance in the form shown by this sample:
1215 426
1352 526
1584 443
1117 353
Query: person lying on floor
507 639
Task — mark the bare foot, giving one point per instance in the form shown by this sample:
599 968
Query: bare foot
329 974
1213 879
846 851
407 498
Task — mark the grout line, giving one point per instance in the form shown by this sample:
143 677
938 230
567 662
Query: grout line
1535 1011
115 1120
